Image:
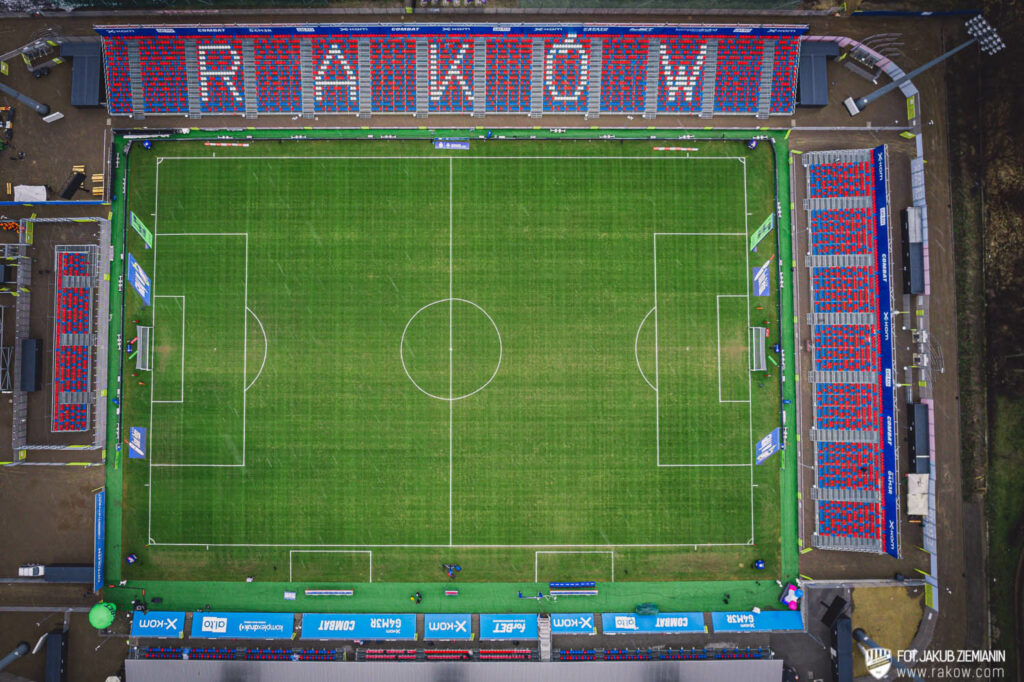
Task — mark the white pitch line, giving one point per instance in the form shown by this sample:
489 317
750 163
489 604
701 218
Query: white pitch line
750 391
152 450
657 375
405 546
451 347
266 346
435 158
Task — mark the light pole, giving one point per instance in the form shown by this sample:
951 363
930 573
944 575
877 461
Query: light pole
981 32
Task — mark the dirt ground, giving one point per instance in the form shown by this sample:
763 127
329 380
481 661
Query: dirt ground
46 512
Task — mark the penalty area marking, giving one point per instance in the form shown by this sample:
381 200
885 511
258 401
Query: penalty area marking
636 350
536 557
329 551
153 349
266 346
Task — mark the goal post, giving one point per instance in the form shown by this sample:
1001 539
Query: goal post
758 361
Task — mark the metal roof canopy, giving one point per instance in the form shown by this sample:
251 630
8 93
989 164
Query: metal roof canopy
812 88
603 671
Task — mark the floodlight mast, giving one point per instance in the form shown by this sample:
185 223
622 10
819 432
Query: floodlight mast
981 32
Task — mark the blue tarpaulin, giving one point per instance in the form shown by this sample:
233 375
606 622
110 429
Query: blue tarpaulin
508 626
137 442
448 626
359 626
220 625
159 623
768 446
99 539
138 278
747 621
662 623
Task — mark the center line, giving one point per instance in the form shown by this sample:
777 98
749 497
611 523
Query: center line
451 351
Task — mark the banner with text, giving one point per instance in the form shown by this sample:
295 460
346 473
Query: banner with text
762 232
447 626
747 621
359 626
137 442
573 624
662 623
138 278
99 539
768 446
141 228
762 279
509 626
159 623
220 625
452 145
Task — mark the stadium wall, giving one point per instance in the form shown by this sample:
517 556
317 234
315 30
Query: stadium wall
470 69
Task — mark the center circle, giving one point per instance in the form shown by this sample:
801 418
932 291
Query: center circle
451 349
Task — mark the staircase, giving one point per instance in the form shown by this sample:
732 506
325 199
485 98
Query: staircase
365 82
764 95
594 82
537 78
422 77
306 71
544 636
135 76
249 77
480 76
653 65
192 76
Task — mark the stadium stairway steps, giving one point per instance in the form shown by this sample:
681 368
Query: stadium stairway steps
75 397
76 282
845 435
825 377
365 78
594 84
537 78
544 636
78 339
422 78
836 156
847 543
306 69
844 260
249 76
846 495
192 77
838 203
764 94
843 319
653 64
707 95
135 73
479 75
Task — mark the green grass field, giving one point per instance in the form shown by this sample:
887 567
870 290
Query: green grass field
531 359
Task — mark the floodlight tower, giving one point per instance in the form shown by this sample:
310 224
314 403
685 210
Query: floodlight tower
981 32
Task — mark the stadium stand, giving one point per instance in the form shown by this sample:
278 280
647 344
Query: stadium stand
389 655
505 655
386 61
508 75
566 73
450 77
684 655
164 85
115 66
335 75
842 231
71 333
787 54
681 74
212 654
267 655
221 76
317 655
847 344
577 655
278 74
627 655
162 652
623 74
393 70
739 74
448 655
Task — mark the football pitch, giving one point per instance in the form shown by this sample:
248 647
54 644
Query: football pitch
532 359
